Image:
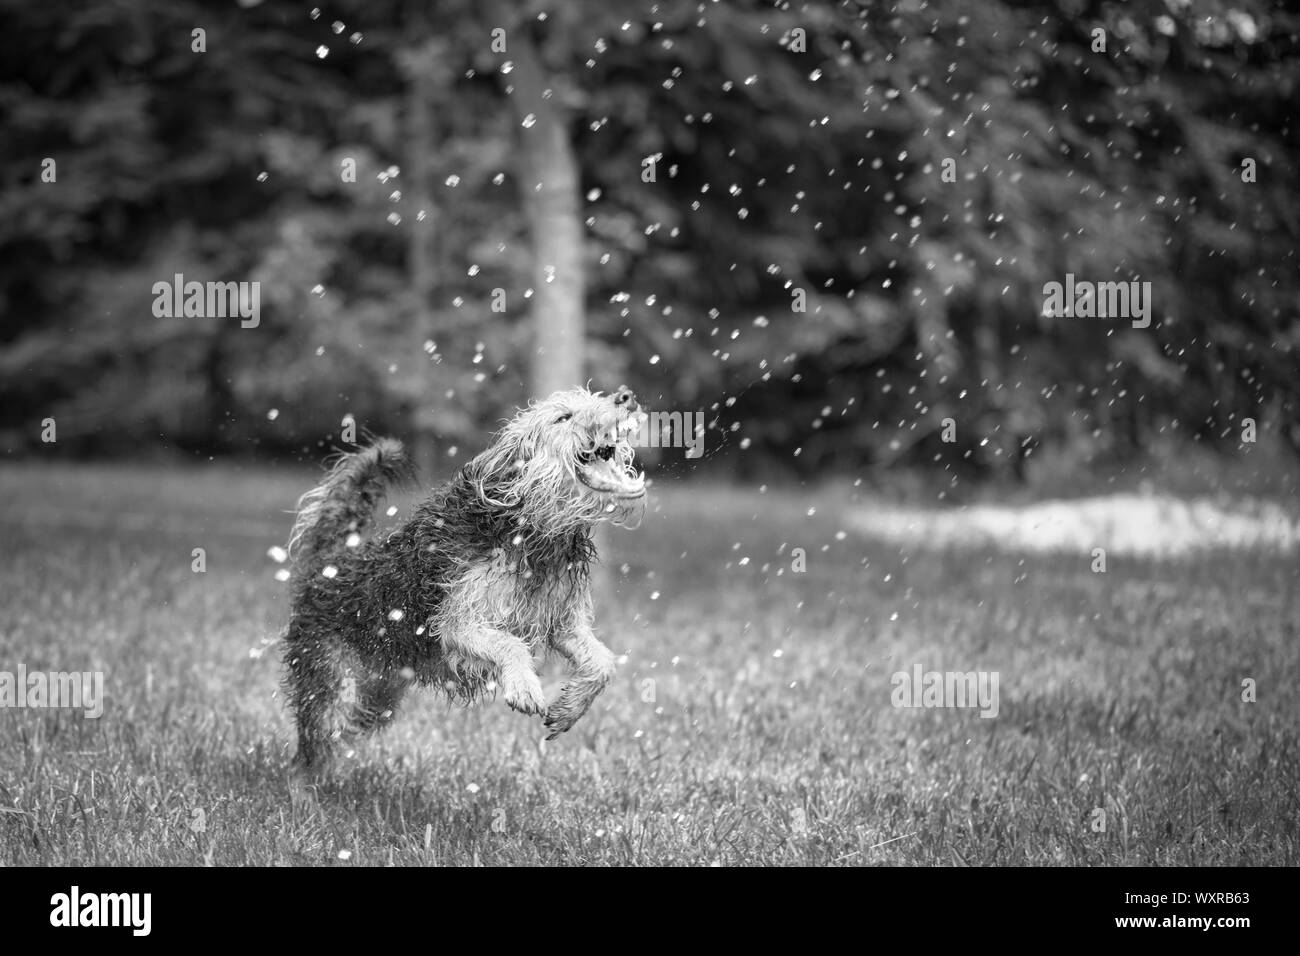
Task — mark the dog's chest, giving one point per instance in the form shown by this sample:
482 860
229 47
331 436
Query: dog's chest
505 591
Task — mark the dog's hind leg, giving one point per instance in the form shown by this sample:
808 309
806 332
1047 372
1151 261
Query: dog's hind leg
376 703
321 681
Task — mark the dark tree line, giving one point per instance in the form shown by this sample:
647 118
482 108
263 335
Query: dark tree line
828 225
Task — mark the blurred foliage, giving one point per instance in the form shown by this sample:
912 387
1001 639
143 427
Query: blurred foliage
778 171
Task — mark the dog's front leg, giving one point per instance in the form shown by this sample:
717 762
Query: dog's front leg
593 667
509 657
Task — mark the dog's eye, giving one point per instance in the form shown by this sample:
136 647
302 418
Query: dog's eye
563 418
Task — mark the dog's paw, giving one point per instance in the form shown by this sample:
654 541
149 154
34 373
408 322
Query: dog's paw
560 718
524 695
304 784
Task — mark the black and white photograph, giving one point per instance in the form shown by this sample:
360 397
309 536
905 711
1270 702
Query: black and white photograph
645 434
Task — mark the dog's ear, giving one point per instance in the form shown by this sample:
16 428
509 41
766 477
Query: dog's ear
493 474
524 447
494 464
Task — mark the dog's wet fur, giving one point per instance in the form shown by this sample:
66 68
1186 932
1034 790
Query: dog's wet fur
491 569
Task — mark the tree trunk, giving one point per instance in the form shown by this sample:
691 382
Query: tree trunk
550 186
424 70
422 249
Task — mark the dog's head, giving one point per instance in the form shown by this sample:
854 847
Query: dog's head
566 460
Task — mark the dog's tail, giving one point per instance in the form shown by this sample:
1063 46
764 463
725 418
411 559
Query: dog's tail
344 503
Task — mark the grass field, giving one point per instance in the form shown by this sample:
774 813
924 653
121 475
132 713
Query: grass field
751 721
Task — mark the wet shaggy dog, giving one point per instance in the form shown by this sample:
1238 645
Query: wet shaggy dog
492 567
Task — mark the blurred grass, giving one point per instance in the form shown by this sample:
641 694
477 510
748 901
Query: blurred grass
770 738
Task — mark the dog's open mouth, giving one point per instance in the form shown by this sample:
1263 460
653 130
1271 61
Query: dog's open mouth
610 472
